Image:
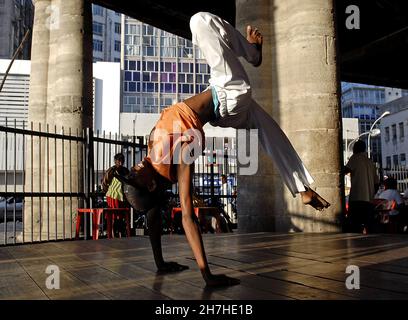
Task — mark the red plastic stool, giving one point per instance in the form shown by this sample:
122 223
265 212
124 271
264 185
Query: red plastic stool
96 218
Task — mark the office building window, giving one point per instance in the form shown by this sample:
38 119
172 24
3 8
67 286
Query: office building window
394 132
117 27
388 162
401 130
387 134
395 160
117 46
97 10
403 161
98 45
98 28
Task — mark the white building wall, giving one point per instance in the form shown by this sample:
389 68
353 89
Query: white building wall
107 96
394 145
392 94
14 96
350 133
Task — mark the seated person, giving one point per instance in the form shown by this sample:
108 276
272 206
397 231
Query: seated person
391 194
400 209
405 196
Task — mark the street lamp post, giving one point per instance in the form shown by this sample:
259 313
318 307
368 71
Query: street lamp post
372 133
386 113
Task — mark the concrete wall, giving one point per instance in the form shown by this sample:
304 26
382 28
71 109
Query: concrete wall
399 145
299 86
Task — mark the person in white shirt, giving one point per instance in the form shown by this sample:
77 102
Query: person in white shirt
391 194
405 196
364 184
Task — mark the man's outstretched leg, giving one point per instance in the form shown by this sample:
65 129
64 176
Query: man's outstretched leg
221 45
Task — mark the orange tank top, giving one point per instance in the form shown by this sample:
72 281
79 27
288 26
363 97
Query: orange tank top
177 124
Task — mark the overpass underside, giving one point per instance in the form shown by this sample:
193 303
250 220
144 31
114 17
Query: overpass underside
308 49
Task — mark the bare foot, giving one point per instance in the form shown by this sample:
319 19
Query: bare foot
256 38
220 280
313 199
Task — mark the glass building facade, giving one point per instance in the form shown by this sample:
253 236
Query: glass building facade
159 68
106 25
363 102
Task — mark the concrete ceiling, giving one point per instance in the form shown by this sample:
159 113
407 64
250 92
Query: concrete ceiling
377 53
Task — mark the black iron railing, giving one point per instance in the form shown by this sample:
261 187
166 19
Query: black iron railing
45 174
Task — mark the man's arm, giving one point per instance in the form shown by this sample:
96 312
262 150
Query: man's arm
107 179
190 225
191 228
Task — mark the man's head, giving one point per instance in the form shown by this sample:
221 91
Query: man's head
359 146
390 183
119 160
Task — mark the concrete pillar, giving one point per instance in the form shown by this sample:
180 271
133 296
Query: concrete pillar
73 63
298 85
39 62
66 102
72 102
37 113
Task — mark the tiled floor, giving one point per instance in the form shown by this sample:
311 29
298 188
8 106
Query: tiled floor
270 266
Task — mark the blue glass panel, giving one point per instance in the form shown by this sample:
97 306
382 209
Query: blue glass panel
167 87
163 77
186 88
150 66
146 76
132 65
150 87
132 86
136 76
128 76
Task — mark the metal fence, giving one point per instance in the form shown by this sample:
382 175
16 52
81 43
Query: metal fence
47 173
400 173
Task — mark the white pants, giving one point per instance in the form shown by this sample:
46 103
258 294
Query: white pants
221 45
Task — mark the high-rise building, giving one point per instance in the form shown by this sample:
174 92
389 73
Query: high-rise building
16 17
394 130
363 102
159 68
106 34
